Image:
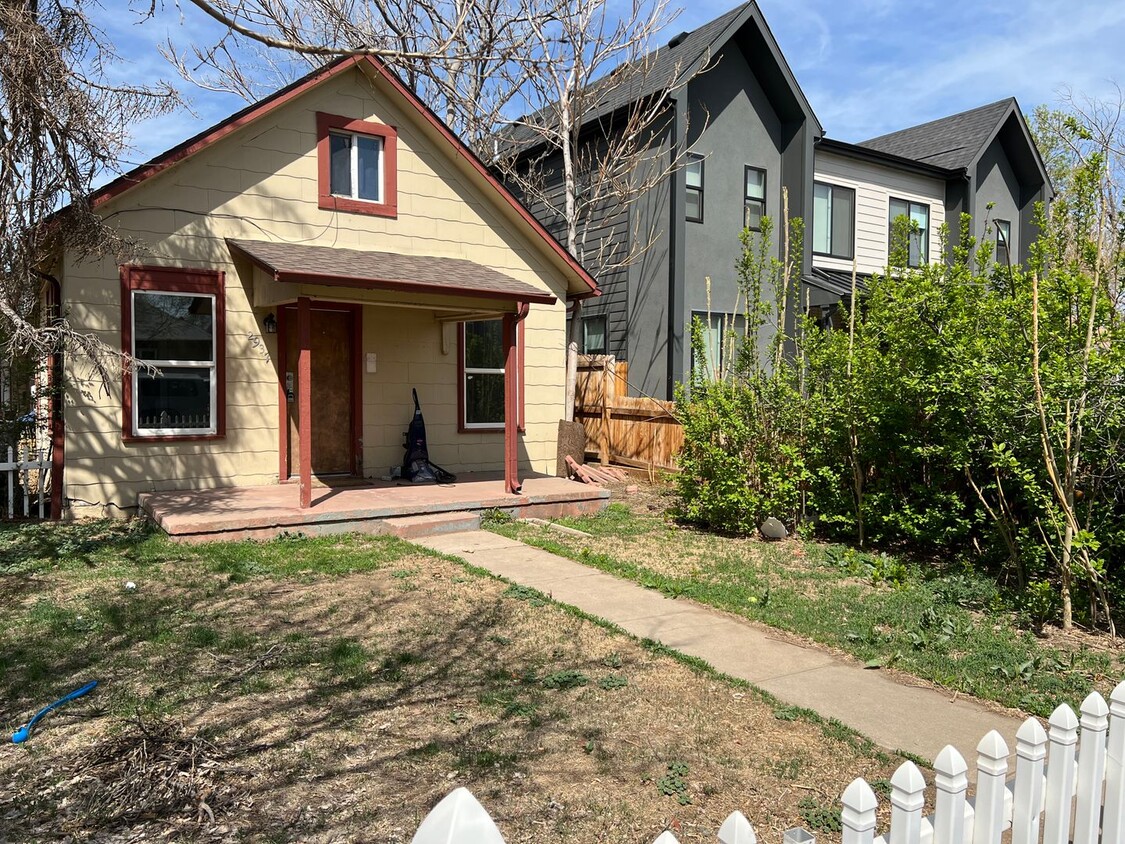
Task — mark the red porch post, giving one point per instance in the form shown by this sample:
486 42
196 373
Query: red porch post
304 397
512 399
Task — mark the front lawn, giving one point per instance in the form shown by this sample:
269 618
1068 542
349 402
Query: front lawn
335 689
947 626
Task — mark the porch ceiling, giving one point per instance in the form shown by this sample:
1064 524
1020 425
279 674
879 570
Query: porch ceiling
356 268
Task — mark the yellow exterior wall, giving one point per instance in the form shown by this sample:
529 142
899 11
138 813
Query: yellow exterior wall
260 183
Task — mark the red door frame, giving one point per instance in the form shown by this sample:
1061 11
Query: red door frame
288 320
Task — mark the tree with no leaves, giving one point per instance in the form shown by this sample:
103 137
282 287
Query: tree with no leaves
63 123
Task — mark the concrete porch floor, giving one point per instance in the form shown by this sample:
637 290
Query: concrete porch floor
364 505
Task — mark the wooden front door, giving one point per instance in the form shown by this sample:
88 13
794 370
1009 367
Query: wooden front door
332 345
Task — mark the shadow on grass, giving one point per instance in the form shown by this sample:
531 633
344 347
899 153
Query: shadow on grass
263 679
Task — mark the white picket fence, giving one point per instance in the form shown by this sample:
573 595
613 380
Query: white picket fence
27 471
1066 788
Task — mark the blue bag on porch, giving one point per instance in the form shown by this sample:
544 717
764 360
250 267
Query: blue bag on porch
416 465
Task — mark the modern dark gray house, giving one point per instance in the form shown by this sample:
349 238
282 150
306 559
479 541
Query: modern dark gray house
742 131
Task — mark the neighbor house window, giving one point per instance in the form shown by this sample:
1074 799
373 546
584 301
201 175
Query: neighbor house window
357 162
722 338
694 195
173 329
833 220
481 365
917 218
1003 241
755 190
594 335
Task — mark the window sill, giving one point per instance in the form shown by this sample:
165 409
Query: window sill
837 257
141 439
331 202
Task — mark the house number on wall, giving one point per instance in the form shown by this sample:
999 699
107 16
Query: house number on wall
256 342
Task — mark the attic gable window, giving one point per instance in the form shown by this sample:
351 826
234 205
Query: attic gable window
357 162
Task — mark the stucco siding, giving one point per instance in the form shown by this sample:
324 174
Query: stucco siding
997 185
260 183
875 186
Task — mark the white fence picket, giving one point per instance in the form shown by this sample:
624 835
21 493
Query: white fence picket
858 816
458 818
992 768
21 466
907 799
1062 737
736 829
951 780
1027 799
1091 769
1113 820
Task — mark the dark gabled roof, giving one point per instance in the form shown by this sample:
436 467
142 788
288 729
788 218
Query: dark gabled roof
863 153
668 68
953 142
333 265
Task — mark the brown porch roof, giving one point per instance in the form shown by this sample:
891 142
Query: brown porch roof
302 264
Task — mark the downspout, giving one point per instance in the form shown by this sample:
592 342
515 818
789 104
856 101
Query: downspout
55 390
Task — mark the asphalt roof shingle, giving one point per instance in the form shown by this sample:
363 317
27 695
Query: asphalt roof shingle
386 270
952 142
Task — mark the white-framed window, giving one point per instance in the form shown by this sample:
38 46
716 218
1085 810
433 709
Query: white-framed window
482 371
917 217
755 198
1003 241
175 372
833 220
595 335
356 166
693 197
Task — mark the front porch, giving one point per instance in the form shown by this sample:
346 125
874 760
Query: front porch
372 506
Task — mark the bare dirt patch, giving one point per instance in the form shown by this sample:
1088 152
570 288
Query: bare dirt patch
344 708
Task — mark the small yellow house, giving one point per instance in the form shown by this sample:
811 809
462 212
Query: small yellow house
306 264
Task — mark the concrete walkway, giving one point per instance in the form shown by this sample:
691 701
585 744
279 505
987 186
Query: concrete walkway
896 716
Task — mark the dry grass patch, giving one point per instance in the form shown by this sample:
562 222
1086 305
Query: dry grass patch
342 708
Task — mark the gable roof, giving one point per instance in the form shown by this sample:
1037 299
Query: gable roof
671 65
454 147
953 142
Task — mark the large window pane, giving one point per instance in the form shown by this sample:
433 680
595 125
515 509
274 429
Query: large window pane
484 399
368 150
484 344
340 158
179 398
173 327
843 222
593 335
755 183
822 219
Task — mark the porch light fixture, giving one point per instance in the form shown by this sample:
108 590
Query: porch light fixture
270 324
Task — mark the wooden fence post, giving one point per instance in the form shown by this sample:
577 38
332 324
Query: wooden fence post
1062 735
1113 820
1091 769
603 446
1027 799
951 781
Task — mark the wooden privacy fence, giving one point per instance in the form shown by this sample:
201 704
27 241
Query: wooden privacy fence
630 430
27 471
1067 788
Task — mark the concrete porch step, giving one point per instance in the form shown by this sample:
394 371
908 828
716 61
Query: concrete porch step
431 524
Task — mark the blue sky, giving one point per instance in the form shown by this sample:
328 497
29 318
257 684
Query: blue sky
867 66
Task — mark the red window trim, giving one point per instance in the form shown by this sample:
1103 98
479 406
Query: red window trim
490 429
173 280
325 123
